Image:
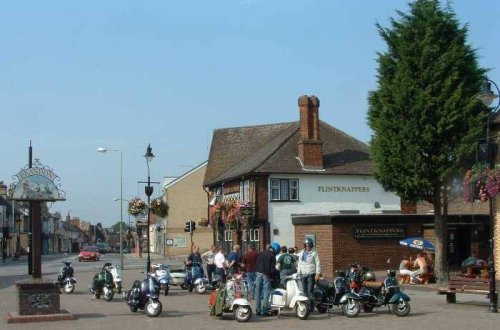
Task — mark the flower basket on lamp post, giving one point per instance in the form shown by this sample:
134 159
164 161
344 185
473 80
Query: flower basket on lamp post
137 207
159 207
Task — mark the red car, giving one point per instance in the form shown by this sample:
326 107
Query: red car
88 253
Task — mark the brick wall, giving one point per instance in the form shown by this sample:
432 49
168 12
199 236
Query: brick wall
323 245
338 248
37 296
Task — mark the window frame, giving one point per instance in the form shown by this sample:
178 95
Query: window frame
276 184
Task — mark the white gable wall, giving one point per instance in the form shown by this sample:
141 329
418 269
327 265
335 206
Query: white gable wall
324 194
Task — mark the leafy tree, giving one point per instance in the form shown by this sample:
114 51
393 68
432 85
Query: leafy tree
425 118
116 227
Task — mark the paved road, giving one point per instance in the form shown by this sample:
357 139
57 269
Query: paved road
182 310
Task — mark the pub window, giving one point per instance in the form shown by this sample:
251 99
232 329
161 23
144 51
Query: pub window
284 189
245 190
253 235
228 235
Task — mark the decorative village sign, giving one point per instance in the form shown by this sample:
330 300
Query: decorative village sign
37 183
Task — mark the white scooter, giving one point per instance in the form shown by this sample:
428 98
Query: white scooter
292 297
117 275
161 273
235 293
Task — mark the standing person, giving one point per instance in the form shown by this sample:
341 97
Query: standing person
249 261
265 265
208 257
234 259
220 264
194 257
286 264
309 269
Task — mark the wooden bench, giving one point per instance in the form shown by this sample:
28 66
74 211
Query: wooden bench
465 285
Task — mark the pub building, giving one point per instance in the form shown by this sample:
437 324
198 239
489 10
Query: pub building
286 182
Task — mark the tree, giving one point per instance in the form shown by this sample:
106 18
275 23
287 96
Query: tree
116 227
425 118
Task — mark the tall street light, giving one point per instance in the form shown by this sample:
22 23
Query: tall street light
149 191
103 150
487 96
125 200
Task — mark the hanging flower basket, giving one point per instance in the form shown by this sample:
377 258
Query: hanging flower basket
484 183
137 207
203 222
159 207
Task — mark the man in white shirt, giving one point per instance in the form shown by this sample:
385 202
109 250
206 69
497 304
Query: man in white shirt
220 264
208 257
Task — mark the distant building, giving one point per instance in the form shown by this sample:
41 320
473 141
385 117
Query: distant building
187 200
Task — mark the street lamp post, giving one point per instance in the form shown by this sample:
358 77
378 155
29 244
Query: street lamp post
487 96
18 243
103 150
128 230
149 191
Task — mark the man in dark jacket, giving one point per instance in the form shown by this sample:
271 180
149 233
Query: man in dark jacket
266 264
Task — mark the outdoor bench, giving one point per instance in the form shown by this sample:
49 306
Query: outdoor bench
464 285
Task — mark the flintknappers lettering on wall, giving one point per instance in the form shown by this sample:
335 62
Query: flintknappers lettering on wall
347 189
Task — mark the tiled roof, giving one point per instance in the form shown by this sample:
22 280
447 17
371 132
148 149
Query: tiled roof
274 149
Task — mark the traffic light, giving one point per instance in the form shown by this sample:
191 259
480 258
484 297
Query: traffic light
190 226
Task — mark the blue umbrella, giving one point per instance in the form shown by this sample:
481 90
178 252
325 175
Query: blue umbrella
418 243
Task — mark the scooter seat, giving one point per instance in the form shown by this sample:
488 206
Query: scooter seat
324 284
373 284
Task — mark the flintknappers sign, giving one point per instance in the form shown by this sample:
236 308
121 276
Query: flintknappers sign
37 183
368 232
345 189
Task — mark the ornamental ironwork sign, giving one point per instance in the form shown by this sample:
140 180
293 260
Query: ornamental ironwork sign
379 231
37 183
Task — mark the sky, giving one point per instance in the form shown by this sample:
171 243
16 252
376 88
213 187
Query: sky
79 75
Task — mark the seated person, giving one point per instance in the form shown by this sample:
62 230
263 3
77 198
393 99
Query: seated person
404 268
422 269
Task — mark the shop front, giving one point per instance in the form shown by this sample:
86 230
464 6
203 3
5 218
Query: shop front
374 240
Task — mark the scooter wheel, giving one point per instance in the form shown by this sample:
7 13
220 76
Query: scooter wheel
133 309
242 313
166 289
302 310
69 287
153 308
401 308
321 309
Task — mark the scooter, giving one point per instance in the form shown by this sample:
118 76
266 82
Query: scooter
65 280
117 275
144 296
387 293
232 298
291 297
195 279
161 273
336 293
102 284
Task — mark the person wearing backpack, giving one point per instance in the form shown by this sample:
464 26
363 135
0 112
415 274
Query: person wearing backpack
286 264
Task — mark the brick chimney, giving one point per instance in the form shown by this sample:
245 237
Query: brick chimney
310 145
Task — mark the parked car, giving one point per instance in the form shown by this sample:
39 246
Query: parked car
88 252
103 248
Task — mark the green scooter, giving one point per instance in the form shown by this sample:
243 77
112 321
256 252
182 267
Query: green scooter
102 284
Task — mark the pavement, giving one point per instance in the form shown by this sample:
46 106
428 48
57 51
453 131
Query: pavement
182 310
